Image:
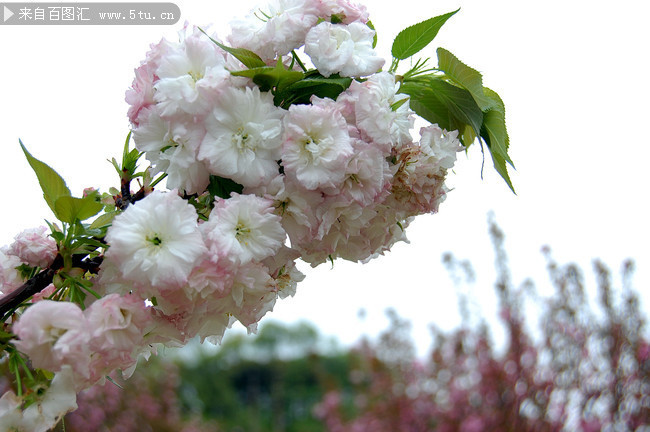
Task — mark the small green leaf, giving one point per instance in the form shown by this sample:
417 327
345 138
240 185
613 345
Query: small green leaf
313 84
398 104
103 220
51 182
414 38
68 208
271 78
464 76
247 57
223 187
374 38
336 19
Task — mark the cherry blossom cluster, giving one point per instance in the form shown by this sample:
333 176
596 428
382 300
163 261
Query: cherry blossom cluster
326 177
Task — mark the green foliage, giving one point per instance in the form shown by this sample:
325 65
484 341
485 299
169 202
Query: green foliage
458 100
65 207
51 182
247 57
129 165
437 101
275 79
453 96
266 382
495 135
222 187
69 209
464 76
413 39
313 84
104 220
291 87
374 38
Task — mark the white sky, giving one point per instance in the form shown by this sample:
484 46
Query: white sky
573 76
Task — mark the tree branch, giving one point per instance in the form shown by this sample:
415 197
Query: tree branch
33 286
38 283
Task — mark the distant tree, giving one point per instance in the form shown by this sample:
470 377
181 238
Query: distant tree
269 382
589 372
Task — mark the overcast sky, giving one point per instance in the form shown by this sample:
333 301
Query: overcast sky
573 76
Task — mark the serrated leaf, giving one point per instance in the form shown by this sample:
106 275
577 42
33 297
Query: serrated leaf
466 77
51 182
69 209
451 107
495 135
247 57
414 38
460 103
494 127
500 167
425 103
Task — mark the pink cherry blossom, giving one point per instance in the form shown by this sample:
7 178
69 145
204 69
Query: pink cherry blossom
156 241
9 277
316 146
345 49
54 334
34 247
243 228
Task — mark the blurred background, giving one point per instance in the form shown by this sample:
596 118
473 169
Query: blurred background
573 77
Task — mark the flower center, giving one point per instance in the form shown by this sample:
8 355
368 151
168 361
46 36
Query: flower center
241 140
155 240
56 332
195 75
241 231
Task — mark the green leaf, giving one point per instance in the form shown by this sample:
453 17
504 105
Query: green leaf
500 167
51 182
414 38
247 57
68 208
86 244
495 134
464 76
223 187
271 78
398 104
336 19
451 107
314 84
103 220
374 38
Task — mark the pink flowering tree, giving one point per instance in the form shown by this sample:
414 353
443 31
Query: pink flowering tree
588 371
256 156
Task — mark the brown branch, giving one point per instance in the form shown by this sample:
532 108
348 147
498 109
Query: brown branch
38 283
